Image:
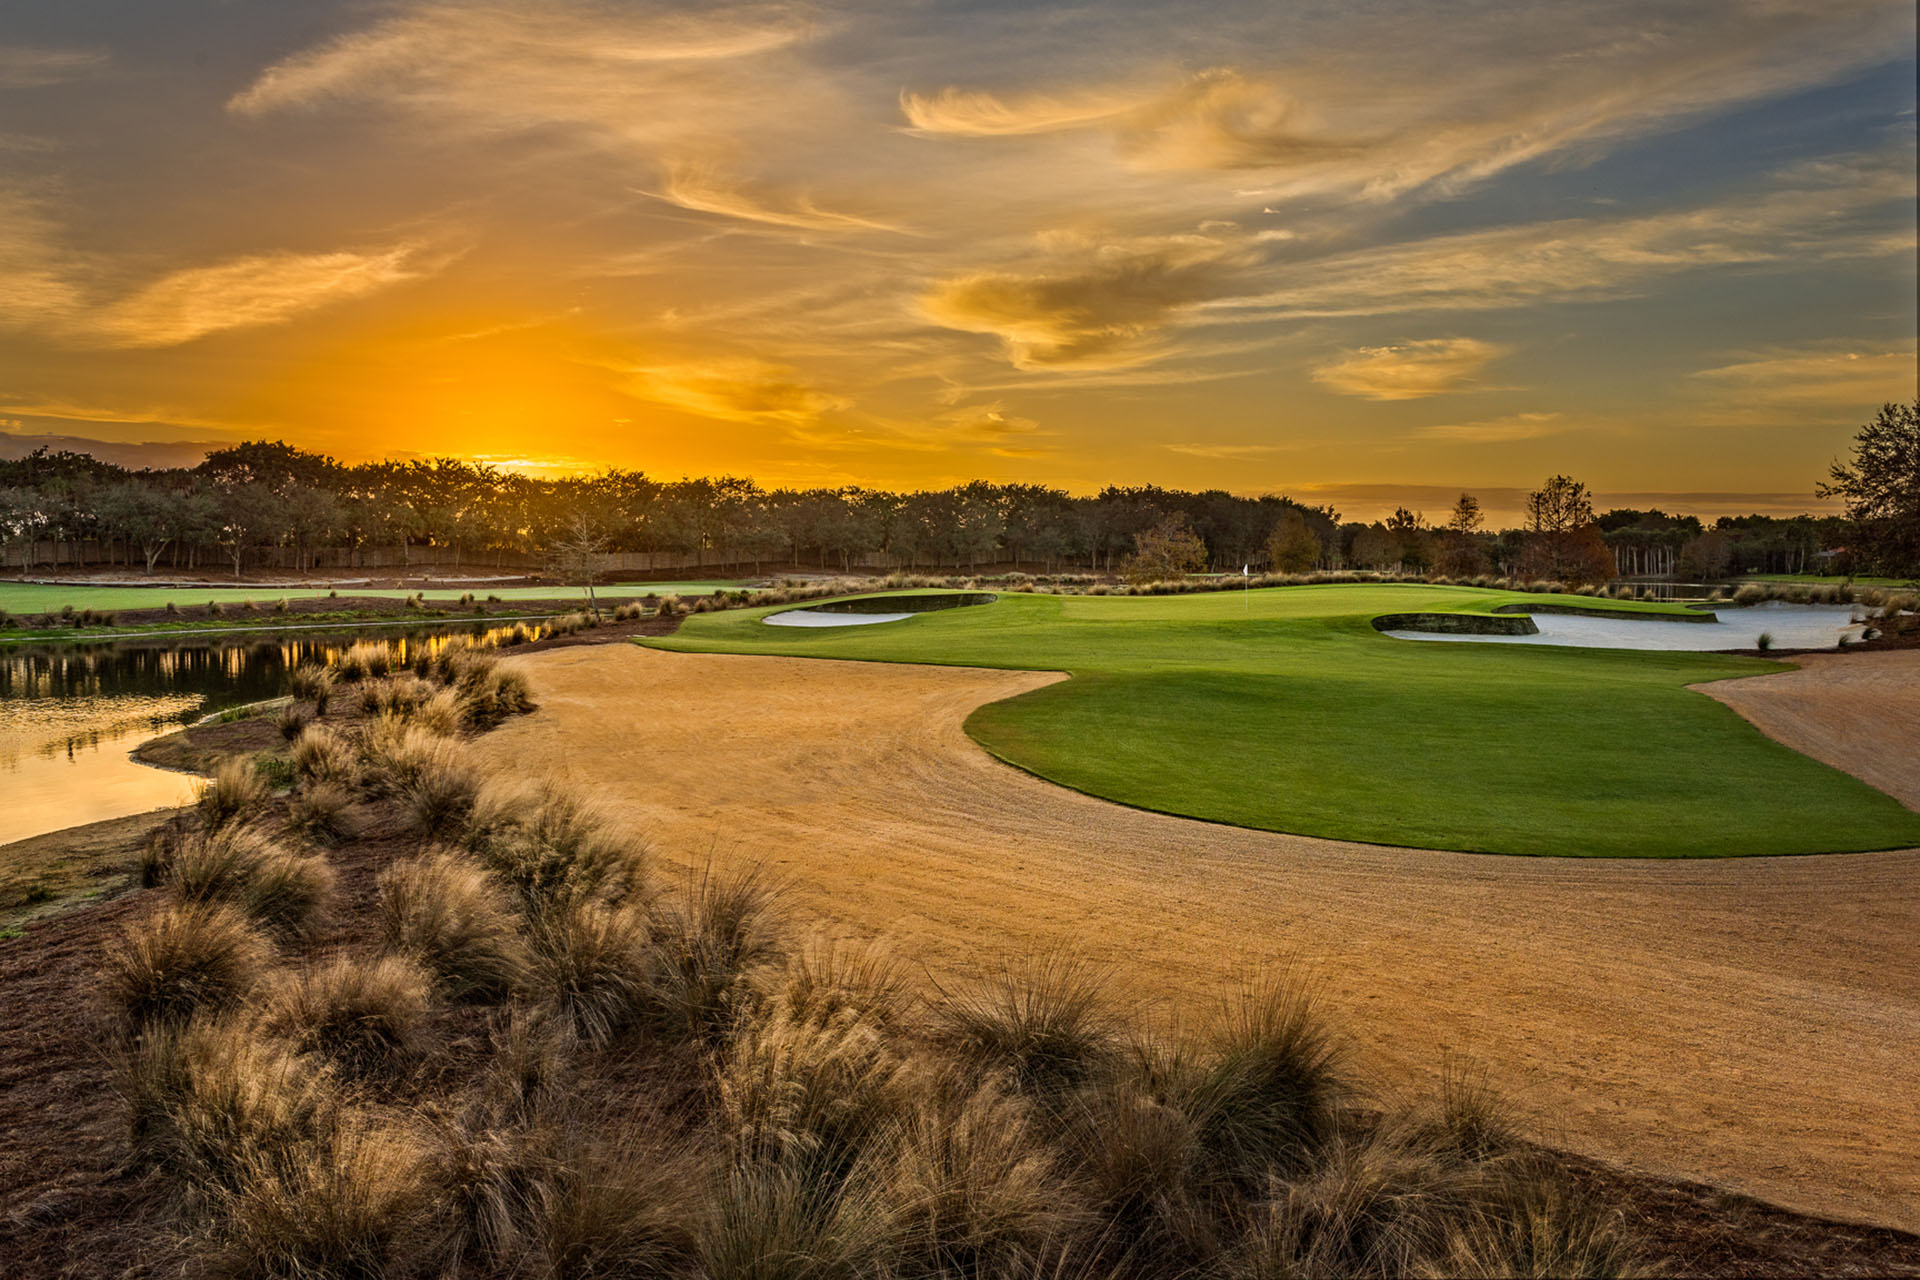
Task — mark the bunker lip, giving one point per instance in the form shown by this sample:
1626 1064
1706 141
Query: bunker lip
866 610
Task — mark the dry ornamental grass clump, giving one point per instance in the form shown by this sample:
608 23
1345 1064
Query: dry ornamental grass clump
289 893
364 1015
184 959
450 916
553 849
234 793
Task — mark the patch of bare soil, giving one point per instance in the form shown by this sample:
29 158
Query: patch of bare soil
1855 711
1738 1023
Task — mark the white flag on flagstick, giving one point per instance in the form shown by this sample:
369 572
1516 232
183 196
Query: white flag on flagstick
1244 569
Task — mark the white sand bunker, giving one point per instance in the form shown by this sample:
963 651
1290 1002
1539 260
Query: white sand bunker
863 610
1792 626
815 618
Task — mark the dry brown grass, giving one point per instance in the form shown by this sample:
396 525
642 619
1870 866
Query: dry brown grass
595 964
234 793
318 811
554 849
451 917
357 1202
367 1016
184 959
321 755
212 1102
290 893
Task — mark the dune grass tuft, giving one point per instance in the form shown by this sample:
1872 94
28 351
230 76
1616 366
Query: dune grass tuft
1045 1019
450 916
554 849
187 958
366 1016
234 793
287 892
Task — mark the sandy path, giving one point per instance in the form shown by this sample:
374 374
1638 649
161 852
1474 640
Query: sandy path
1753 1023
1859 712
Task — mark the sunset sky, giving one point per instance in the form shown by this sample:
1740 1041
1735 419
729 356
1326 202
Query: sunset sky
1353 252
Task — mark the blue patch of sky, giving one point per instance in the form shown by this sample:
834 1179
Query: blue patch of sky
1693 163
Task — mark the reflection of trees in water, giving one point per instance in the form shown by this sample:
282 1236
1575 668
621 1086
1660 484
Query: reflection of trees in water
68 698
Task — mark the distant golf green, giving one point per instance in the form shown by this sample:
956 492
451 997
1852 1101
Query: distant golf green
32 597
1285 710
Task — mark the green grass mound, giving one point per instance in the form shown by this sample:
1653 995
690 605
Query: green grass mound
1285 710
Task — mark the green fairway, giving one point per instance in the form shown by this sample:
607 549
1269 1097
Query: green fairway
1285 710
33 597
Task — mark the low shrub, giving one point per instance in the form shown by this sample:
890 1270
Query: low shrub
1764 641
186 958
449 916
365 1016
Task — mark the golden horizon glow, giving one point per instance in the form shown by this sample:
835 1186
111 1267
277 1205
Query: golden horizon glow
1366 255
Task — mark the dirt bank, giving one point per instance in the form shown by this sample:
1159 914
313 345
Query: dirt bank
1734 1021
1855 711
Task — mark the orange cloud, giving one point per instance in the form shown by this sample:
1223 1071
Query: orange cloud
244 292
735 390
1091 308
1410 370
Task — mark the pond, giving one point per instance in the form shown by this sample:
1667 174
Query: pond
71 713
1792 626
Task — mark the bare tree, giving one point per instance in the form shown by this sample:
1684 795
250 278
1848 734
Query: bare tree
575 556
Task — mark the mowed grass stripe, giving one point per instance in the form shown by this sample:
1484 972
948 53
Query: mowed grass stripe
1285 710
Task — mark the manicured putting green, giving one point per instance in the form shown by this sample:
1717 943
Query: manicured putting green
33 597
1285 710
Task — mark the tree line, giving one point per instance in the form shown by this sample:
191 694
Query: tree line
267 501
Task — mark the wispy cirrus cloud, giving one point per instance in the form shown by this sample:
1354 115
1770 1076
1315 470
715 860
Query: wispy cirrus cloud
503 60
1834 379
734 390
704 189
262 289
30 67
1461 110
1410 370
1515 426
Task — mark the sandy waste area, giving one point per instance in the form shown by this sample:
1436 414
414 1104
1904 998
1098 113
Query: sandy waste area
1752 1022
